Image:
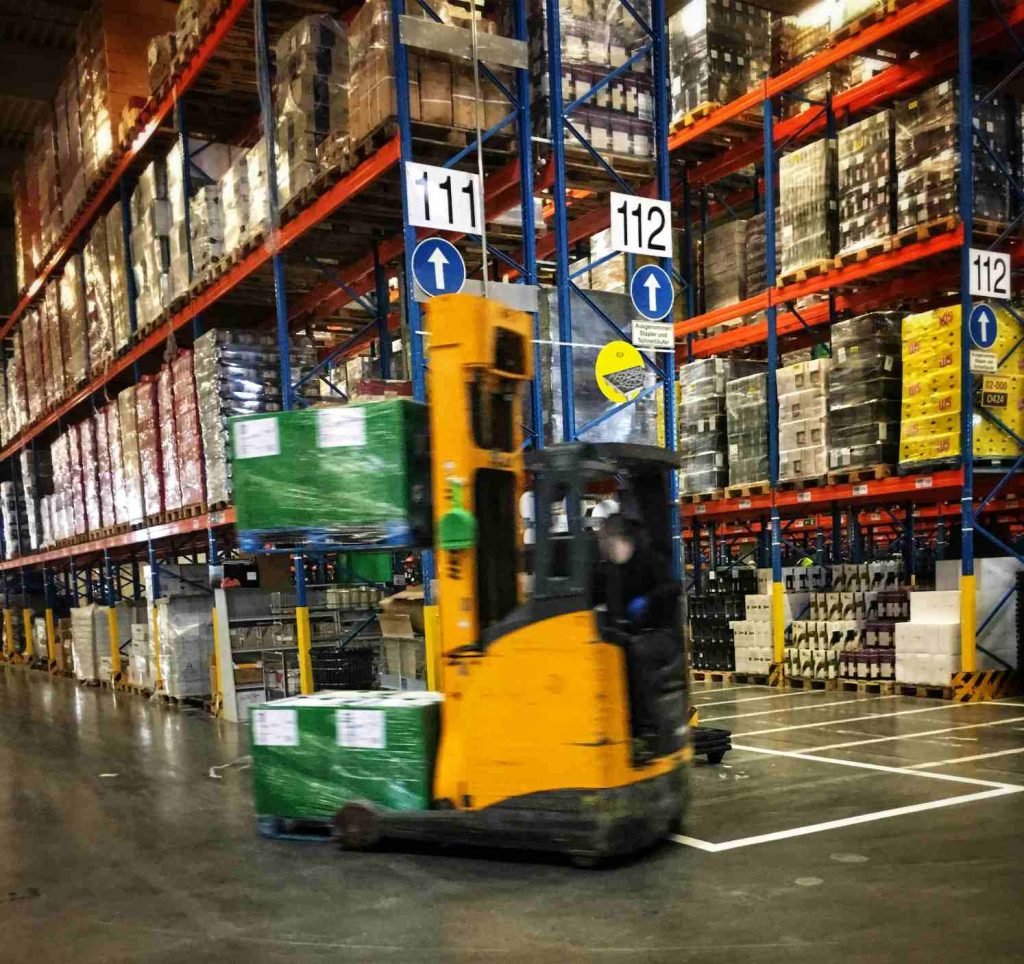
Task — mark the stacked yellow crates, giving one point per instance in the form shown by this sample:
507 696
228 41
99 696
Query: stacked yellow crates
930 428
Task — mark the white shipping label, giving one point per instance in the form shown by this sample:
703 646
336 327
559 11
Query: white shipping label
256 438
362 729
275 727
340 427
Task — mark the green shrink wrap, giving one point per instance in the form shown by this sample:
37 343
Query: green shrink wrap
356 474
312 754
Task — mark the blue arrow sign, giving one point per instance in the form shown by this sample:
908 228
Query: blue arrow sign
438 267
983 326
652 292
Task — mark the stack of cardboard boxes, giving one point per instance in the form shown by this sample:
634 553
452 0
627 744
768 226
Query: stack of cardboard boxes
802 391
867 198
746 408
807 205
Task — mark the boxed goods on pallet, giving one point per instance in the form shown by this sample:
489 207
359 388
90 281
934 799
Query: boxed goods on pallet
718 50
703 437
807 205
99 309
149 431
725 276
15 521
31 346
90 481
928 155
169 464
185 632
864 392
610 275
74 328
206 226
996 605
928 646
187 432
721 599
238 373
90 639
802 391
53 344
131 455
930 411
140 659
374 458
746 409
623 377
595 38
17 391
867 198
117 279
150 243
312 754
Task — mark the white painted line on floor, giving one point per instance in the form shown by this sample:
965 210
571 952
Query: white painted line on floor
965 759
797 709
880 767
912 736
774 696
711 847
706 689
860 719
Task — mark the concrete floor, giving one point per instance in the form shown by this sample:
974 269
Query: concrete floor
118 842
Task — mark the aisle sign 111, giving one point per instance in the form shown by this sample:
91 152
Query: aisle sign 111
443 199
990 274
641 225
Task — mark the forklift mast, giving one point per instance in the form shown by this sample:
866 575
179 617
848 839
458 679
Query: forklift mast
480 362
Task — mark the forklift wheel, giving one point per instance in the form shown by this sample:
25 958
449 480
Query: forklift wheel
716 757
357 825
586 861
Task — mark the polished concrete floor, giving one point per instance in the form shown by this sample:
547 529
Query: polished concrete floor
846 829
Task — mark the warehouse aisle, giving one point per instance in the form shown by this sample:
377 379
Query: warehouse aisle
118 843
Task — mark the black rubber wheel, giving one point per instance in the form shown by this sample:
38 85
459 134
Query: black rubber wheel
586 861
716 757
357 826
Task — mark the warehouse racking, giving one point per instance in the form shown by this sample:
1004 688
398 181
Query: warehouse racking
702 166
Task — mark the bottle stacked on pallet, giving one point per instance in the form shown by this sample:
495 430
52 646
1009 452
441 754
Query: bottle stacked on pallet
928 155
802 391
718 50
720 601
15 521
930 415
703 437
311 101
596 37
807 206
867 199
864 392
150 242
746 409
725 263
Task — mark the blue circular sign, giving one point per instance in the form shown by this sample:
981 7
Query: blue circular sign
438 267
983 326
652 292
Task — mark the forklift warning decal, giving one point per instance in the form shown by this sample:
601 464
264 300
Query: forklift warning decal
619 370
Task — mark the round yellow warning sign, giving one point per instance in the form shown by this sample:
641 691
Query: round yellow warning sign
619 370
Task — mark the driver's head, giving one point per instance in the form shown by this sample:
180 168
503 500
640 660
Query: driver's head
616 540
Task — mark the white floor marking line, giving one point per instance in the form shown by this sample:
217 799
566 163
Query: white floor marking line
700 689
774 696
859 719
797 709
710 847
965 759
881 768
912 736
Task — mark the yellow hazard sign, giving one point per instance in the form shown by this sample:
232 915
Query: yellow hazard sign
619 370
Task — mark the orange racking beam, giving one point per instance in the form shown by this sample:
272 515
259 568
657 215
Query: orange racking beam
345 189
151 116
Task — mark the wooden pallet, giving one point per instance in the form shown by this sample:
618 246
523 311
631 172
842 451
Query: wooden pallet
750 119
694 499
797 484
923 692
194 702
813 270
854 27
185 512
754 679
863 254
922 232
867 687
709 676
803 683
872 473
747 490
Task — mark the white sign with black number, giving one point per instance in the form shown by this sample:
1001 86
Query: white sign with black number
641 225
361 729
443 199
990 274
983 362
656 335
257 438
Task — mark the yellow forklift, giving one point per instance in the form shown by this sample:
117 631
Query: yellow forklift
537 750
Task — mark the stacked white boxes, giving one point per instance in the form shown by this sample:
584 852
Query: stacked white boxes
151 225
752 636
185 633
994 578
928 647
803 419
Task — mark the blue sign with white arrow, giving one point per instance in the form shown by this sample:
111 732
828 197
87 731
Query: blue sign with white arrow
652 292
438 267
983 325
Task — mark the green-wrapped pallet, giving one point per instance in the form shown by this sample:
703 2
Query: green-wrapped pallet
355 474
312 754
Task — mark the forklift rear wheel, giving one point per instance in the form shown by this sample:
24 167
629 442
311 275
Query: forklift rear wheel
586 861
717 757
357 825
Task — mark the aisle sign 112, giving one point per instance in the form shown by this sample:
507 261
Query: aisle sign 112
443 199
990 274
641 225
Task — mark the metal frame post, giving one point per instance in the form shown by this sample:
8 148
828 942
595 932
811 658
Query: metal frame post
302 631
51 637
382 308
115 636
965 200
154 588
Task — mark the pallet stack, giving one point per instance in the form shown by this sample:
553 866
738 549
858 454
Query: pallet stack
802 391
866 154
807 209
746 407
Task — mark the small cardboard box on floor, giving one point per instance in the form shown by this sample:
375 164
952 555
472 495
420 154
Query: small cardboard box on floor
312 754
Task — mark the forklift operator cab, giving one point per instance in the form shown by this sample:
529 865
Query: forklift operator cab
536 748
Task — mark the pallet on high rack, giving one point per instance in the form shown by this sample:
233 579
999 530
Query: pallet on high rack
874 234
